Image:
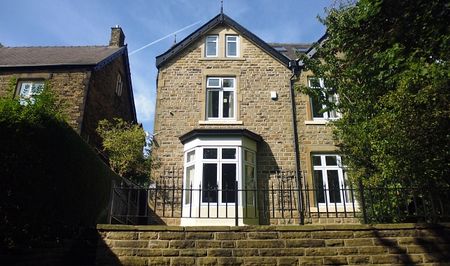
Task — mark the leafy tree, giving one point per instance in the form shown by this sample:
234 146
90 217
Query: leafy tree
388 61
128 149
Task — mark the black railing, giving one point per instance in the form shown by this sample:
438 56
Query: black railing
278 202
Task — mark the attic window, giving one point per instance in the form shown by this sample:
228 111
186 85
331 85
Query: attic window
232 44
119 85
212 46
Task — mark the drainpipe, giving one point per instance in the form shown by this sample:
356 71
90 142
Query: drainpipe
294 66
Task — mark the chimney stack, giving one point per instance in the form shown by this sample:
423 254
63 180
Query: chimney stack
117 37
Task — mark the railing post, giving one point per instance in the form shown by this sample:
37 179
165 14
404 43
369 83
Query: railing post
111 202
236 204
363 200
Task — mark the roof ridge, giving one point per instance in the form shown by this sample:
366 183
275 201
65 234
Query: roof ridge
289 43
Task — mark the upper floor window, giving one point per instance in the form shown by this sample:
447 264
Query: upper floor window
220 98
119 85
232 45
317 109
212 46
28 89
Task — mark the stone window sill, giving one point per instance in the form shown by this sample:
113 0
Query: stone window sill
223 122
222 59
316 122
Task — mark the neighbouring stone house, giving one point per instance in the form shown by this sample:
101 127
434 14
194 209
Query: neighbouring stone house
228 115
92 82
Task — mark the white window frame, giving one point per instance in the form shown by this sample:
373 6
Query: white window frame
221 90
219 161
227 37
188 184
119 85
345 195
249 192
208 39
28 96
328 115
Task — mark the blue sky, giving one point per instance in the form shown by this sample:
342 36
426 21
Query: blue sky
88 22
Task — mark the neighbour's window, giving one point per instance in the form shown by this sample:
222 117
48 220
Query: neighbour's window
220 98
212 46
28 89
119 85
329 179
231 46
317 109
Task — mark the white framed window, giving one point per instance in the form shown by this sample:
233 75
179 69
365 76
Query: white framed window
189 170
220 172
119 85
317 109
28 89
330 180
231 46
220 98
212 46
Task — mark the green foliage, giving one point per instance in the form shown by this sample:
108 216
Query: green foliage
388 61
128 149
52 182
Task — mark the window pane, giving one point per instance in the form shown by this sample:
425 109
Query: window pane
228 153
249 156
213 103
231 46
228 83
190 172
37 88
316 107
250 184
228 182
331 160
333 186
316 161
209 183
211 46
213 82
314 83
25 90
228 104
190 156
209 153
318 182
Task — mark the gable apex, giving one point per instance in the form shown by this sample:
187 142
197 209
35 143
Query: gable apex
220 19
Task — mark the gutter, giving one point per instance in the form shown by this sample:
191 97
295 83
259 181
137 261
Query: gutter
294 66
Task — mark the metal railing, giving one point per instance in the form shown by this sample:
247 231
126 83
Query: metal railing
278 200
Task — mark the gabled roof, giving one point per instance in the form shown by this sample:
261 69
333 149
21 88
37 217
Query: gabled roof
290 50
220 19
63 56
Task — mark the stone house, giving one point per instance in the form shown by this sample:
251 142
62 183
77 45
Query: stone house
228 115
92 82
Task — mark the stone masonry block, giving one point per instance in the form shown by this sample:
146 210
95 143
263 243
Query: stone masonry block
305 243
260 244
123 235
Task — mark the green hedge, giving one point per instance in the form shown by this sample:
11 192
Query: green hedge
52 183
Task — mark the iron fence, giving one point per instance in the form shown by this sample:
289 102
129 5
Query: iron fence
277 201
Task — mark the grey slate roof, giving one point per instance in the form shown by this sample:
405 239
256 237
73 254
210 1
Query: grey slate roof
56 55
290 49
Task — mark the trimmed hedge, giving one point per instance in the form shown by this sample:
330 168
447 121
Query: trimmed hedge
52 183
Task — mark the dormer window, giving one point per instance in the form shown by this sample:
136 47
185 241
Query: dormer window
212 46
232 45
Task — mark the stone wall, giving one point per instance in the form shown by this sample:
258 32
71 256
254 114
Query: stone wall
401 244
102 102
69 87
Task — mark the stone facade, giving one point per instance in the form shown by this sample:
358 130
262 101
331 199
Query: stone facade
388 244
181 94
